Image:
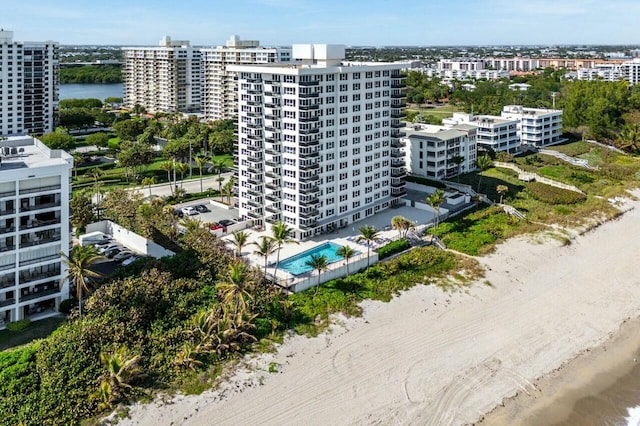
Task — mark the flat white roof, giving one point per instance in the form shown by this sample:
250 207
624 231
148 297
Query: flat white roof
21 152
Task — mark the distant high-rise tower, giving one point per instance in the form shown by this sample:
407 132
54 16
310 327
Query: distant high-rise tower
219 90
166 78
28 86
319 142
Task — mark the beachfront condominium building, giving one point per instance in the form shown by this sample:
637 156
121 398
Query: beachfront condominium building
219 88
493 133
28 86
439 152
319 141
34 228
536 126
164 78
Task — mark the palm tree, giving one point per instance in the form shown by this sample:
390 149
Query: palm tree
457 160
401 224
95 174
318 263
369 235
219 164
201 162
234 289
265 248
240 239
182 168
484 163
122 368
281 235
228 188
191 224
167 166
220 179
79 262
148 181
435 200
77 159
502 189
347 253
630 137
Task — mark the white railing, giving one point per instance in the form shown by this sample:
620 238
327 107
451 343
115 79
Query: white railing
537 177
580 162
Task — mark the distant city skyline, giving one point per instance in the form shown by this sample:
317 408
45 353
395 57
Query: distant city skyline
357 22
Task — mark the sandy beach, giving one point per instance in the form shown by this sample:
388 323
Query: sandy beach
435 357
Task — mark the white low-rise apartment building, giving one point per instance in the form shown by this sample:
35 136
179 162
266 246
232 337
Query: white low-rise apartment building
631 71
606 72
319 141
439 152
465 74
219 88
28 86
164 78
536 126
34 228
494 132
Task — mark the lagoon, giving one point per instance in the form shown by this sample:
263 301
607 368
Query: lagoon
84 91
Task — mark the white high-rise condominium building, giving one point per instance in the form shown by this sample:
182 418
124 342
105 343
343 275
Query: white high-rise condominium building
28 86
319 141
433 151
536 126
219 88
494 132
34 228
166 78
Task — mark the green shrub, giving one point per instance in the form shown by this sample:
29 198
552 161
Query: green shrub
392 248
18 325
553 195
67 305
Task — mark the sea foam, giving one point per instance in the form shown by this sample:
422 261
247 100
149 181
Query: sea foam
633 419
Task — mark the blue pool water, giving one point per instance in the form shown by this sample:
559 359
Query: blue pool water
296 265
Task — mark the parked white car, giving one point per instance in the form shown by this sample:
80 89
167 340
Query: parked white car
189 211
109 247
123 255
130 260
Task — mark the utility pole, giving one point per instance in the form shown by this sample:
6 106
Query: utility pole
553 96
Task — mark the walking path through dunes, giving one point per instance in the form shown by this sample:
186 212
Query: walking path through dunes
429 357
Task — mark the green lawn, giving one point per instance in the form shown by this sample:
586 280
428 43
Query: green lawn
35 330
439 112
115 177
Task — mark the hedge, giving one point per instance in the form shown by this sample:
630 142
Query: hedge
18 325
392 248
553 195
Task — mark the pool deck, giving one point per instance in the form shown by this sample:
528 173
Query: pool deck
345 236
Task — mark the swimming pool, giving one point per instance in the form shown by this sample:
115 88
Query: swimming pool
296 265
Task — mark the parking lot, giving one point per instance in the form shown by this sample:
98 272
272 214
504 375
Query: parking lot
227 217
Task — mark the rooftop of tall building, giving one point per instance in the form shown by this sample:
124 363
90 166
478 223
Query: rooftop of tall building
19 152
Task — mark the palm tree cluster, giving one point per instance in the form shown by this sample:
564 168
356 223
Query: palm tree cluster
436 200
402 225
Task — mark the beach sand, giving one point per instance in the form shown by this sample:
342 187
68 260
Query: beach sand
434 357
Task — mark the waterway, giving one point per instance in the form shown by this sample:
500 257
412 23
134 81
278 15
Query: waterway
97 91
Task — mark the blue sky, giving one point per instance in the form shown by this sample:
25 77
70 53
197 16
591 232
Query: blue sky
351 22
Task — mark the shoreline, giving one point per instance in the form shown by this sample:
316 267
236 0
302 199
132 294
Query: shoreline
431 356
577 381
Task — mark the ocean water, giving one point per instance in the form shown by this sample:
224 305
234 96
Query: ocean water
84 91
617 405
